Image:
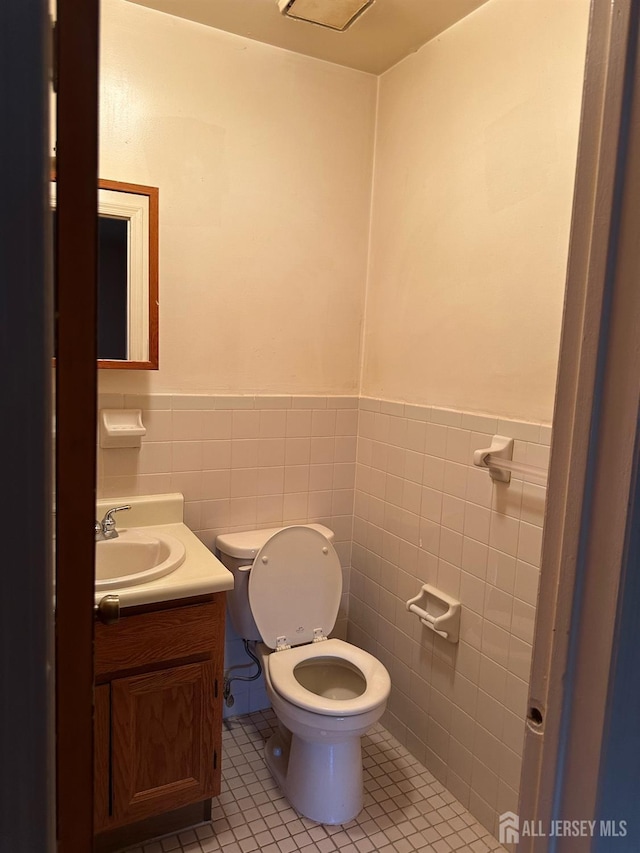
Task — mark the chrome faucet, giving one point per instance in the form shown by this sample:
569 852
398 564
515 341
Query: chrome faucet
106 529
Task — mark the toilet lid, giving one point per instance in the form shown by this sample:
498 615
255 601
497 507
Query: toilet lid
295 586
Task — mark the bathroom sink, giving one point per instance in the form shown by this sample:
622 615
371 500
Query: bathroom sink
135 557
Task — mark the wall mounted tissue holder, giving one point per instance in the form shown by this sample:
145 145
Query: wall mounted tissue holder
437 611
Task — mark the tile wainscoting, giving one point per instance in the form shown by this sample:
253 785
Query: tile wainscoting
243 463
397 485
424 514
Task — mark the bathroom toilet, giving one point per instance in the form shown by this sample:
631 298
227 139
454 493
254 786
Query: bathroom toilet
325 693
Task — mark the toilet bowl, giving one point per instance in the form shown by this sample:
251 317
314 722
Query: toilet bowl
326 693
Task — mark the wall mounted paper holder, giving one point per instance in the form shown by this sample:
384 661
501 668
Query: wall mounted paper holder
437 611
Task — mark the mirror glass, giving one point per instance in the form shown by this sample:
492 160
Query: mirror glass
127 274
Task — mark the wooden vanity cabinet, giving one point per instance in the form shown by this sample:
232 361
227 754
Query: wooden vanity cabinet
158 710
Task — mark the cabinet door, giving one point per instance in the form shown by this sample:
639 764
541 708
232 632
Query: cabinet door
163 754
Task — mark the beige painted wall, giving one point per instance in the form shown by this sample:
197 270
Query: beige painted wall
264 163
263 159
475 160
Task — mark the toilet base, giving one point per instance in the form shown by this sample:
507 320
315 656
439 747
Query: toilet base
322 781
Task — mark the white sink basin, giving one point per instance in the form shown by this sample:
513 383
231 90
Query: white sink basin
136 557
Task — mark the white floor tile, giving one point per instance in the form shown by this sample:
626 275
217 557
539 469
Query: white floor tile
405 808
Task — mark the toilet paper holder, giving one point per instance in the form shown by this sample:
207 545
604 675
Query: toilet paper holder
437 611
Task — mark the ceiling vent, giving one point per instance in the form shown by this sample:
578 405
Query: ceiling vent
334 14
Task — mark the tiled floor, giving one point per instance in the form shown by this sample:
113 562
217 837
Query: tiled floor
405 808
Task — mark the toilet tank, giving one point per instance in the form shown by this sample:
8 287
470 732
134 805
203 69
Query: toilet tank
237 552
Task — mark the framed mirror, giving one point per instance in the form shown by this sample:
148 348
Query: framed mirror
127 274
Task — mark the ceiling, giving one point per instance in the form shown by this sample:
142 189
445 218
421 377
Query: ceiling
387 32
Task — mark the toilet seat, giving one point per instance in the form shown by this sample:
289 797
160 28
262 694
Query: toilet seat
295 585
281 672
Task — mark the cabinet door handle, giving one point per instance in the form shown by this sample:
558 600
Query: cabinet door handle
108 609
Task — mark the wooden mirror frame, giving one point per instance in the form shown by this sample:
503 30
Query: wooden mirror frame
151 363
152 193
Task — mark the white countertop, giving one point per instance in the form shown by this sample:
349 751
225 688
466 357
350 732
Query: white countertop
201 573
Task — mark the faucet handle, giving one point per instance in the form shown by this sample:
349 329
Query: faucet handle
108 522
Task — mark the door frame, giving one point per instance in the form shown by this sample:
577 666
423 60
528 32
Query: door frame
594 438
76 391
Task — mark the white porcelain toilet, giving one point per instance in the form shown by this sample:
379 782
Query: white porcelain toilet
325 693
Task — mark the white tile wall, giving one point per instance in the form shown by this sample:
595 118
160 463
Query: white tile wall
424 514
242 463
397 485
